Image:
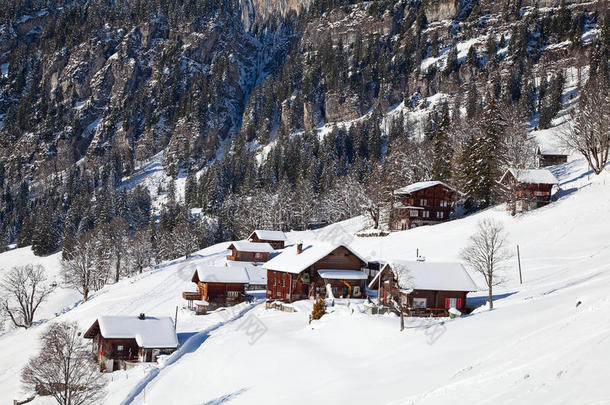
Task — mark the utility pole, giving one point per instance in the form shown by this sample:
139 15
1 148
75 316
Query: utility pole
519 261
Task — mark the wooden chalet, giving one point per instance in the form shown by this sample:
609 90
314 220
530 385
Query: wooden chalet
277 239
424 288
219 286
121 340
304 271
423 203
547 156
527 189
245 251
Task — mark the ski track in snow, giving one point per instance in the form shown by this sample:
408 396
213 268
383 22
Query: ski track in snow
192 344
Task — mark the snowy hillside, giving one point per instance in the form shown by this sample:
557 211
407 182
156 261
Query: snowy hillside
536 346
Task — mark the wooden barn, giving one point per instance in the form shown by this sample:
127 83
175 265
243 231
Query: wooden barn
244 251
304 270
424 288
548 156
219 286
423 203
121 340
527 189
277 239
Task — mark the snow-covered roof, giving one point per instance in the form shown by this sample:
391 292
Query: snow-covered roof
423 275
290 262
269 235
226 274
257 275
245 246
532 176
551 150
338 274
150 332
411 188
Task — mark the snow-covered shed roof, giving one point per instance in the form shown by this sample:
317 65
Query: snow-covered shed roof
339 274
551 150
289 261
423 275
532 176
245 246
150 332
229 274
268 235
411 188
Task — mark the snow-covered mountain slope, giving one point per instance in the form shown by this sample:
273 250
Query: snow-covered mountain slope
535 346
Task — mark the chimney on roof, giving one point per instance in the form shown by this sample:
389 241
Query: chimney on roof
299 248
142 316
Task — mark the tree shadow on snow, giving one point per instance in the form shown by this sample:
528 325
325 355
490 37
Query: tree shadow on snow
476 302
225 398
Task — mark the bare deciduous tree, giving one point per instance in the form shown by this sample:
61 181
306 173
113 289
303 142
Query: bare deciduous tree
487 253
64 368
588 131
141 250
79 268
24 288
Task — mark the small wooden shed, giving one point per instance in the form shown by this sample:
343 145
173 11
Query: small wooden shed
528 189
549 156
119 340
425 288
245 251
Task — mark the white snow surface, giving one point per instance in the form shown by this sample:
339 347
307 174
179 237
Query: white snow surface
290 261
533 176
150 332
269 235
535 346
425 275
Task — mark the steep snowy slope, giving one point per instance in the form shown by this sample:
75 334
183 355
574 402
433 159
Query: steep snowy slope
535 346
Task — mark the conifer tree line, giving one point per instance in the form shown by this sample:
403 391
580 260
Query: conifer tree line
303 178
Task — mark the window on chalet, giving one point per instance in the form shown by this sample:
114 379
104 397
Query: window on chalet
279 294
425 214
356 290
120 348
283 283
274 282
452 302
423 201
420 303
444 203
440 215
232 294
237 254
540 193
412 213
258 255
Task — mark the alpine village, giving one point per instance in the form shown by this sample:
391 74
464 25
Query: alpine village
399 201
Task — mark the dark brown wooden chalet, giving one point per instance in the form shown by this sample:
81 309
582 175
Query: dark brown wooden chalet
424 288
527 189
277 239
304 271
223 285
423 203
244 251
547 156
121 340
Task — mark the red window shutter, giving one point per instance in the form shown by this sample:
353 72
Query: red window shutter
459 305
446 303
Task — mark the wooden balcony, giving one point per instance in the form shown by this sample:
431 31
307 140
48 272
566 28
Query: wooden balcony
191 296
427 312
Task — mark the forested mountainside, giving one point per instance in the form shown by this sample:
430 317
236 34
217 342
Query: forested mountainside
278 113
